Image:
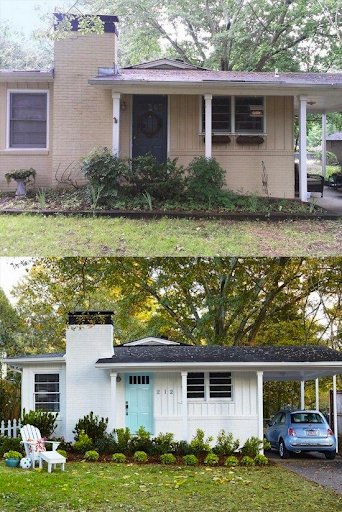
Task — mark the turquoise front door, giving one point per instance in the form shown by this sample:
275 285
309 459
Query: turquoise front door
139 401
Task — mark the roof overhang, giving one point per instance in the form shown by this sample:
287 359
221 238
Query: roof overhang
23 361
26 76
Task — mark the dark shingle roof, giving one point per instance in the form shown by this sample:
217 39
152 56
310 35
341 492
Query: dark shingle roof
203 354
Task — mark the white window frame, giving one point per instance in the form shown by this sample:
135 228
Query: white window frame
207 397
232 112
8 120
47 372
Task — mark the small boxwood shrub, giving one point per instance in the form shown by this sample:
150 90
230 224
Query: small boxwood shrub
83 443
260 460
63 453
119 457
44 421
211 459
226 445
140 457
10 443
190 460
91 425
205 180
91 455
107 444
199 444
231 461
182 448
167 458
247 461
12 454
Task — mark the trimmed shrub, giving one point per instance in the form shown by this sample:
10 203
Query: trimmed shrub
252 446
164 443
91 425
63 453
199 444
260 460
211 459
190 460
44 421
247 461
106 444
123 437
83 443
140 457
91 456
168 458
182 448
141 442
119 457
226 445
10 443
231 461
205 180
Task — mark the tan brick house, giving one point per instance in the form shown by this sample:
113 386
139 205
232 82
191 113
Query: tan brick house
49 119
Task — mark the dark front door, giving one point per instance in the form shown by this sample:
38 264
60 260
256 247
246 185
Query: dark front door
150 126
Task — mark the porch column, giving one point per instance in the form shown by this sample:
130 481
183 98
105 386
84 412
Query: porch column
184 406
303 186
317 393
112 415
324 144
335 427
116 123
260 408
302 394
208 149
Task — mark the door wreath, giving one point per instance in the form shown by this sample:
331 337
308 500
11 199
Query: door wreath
149 124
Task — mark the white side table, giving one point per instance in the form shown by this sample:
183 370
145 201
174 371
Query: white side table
52 458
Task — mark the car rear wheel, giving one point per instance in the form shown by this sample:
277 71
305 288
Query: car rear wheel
283 451
330 455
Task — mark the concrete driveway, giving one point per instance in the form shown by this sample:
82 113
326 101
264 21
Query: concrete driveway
314 467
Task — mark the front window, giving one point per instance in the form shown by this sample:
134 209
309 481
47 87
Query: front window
28 120
209 385
249 114
46 392
221 114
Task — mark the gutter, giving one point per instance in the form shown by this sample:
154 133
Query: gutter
22 361
26 76
247 365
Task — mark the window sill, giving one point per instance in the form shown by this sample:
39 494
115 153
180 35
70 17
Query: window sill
235 134
25 151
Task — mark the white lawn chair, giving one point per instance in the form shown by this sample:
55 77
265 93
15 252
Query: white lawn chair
34 444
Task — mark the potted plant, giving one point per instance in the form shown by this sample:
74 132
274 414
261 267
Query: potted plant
22 177
12 458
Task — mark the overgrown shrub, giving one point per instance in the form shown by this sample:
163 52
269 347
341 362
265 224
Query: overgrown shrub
123 437
141 442
103 170
260 460
119 457
182 448
211 459
190 460
91 425
205 180
106 444
164 443
247 461
199 444
253 445
83 443
44 421
63 453
91 456
140 457
161 180
231 461
226 445
167 458
10 443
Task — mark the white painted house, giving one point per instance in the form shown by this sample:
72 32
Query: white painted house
161 384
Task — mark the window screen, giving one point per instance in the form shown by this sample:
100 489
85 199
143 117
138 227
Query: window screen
221 114
249 114
46 392
220 385
28 120
195 385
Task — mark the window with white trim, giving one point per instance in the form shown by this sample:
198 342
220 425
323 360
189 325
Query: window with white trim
209 385
28 120
220 114
46 392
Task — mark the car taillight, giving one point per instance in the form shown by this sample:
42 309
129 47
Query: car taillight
330 432
291 432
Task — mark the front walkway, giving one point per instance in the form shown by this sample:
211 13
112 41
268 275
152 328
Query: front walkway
331 200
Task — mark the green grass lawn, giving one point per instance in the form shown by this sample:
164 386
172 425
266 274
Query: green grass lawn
29 235
109 487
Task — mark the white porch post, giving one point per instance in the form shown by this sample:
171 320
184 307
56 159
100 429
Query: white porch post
112 416
317 393
208 101
260 408
116 123
302 394
335 427
324 144
303 186
184 406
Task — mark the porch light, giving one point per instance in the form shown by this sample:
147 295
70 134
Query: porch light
123 105
118 378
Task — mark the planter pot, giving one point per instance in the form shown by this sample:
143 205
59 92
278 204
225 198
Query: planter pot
12 463
21 189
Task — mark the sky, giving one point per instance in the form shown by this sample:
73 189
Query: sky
10 275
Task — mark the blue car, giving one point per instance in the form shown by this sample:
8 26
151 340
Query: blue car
301 431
